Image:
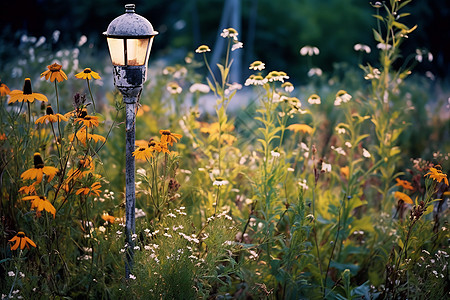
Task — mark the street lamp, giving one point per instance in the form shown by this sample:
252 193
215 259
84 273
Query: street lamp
130 38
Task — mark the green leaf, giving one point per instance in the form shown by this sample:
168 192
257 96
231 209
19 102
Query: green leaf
377 36
400 25
400 243
378 17
211 86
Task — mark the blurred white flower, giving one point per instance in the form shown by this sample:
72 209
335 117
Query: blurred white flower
315 71
326 167
275 153
220 181
362 48
82 41
257 66
199 87
40 42
236 46
342 97
302 183
314 99
309 50
366 153
384 46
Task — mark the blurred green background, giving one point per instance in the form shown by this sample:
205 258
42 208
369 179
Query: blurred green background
272 31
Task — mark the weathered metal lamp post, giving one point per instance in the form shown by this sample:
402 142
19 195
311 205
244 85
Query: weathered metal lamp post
130 38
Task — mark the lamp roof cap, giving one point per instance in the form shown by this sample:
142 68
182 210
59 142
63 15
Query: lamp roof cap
130 25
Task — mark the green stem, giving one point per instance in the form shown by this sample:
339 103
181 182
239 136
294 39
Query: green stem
90 92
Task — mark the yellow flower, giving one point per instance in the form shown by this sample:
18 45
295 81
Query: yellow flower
108 218
28 189
345 171
300 128
26 94
82 136
437 175
404 184
88 74
94 189
54 72
143 153
39 170
142 109
167 136
50 117
87 120
41 203
202 49
20 239
158 146
4 89
403 196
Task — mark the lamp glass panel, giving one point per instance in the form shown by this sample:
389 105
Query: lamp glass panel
137 51
117 51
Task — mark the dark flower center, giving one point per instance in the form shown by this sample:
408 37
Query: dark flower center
27 87
54 67
83 114
141 149
87 70
165 132
38 162
21 234
49 110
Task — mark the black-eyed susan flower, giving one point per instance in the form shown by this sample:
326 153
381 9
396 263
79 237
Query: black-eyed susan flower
300 128
169 137
94 189
28 189
4 89
143 153
88 74
437 175
159 147
50 117
402 196
26 94
404 184
39 170
82 136
41 203
202 49
87 120
20 239
54 72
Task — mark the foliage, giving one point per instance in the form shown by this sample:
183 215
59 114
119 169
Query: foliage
315 191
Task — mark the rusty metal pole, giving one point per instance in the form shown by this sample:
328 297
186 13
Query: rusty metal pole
130 39
129 80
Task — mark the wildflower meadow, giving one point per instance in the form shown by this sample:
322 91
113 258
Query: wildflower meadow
332 188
